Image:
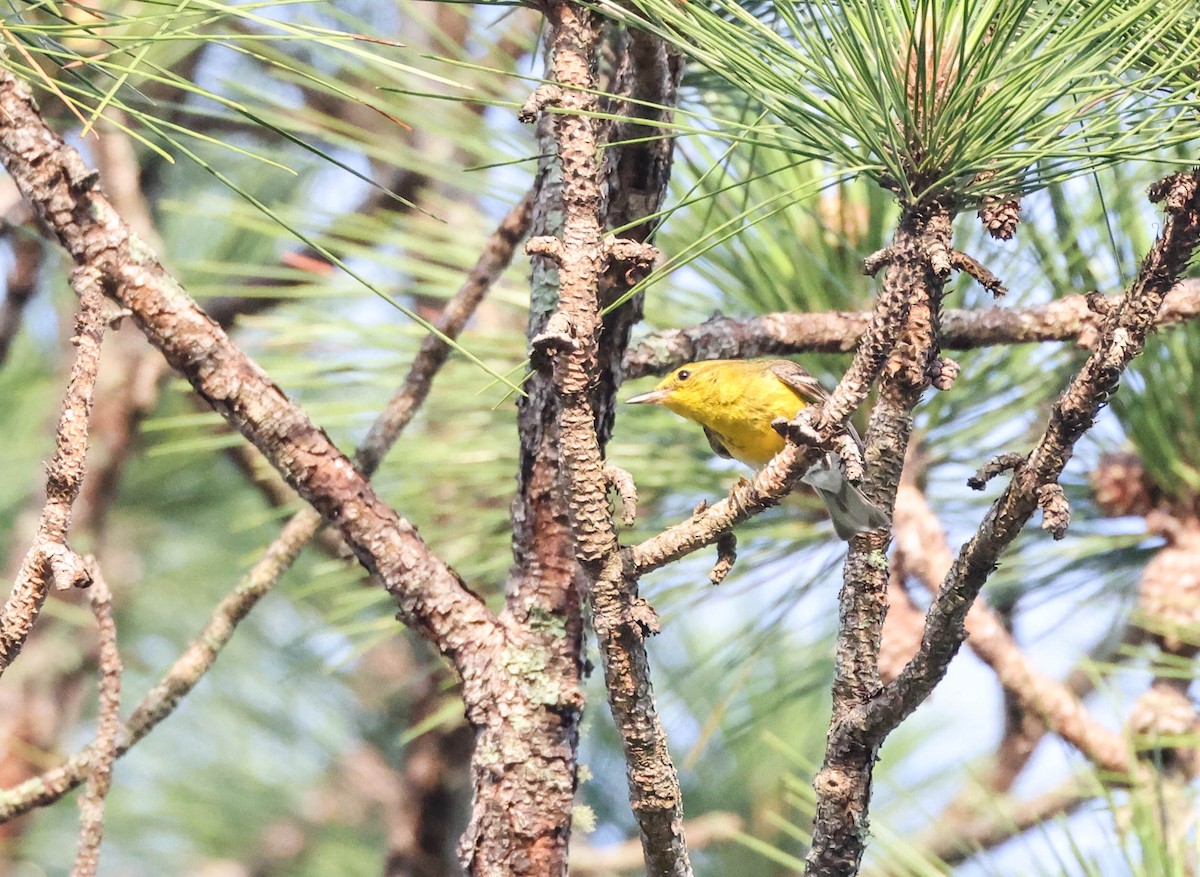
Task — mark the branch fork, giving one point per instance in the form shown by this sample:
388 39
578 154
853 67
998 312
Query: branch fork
67 569
50 559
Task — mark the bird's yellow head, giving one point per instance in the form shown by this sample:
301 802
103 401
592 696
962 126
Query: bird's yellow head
693 390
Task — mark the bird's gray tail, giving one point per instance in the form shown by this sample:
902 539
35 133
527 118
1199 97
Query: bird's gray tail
849 509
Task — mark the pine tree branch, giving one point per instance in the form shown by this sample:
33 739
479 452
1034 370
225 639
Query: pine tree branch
201 654
63 192
1120 339
1067 319
919 536
91 804
918 266
50 560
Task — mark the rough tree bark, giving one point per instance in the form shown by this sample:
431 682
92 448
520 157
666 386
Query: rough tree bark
567 418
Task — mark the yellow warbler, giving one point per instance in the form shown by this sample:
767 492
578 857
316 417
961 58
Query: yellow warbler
735 402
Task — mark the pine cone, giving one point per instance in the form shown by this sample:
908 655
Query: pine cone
1120 486
1000 216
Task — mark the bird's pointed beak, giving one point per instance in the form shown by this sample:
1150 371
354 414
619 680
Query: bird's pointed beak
652 396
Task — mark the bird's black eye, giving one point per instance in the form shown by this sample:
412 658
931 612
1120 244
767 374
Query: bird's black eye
683 374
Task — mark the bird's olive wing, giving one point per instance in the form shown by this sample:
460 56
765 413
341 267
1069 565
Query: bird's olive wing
799 381
714 442
807 388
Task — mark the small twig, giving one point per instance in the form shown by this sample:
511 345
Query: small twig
998 465
118 164
984 277
726 557
257 471
50 558
91 803
875 262
632 259
801 429
545 245
545 95
622 482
